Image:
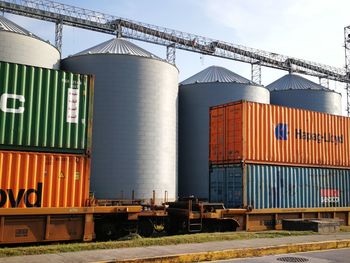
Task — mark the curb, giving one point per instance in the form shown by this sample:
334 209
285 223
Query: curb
241 252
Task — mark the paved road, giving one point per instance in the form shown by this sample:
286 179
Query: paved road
329 256
159 251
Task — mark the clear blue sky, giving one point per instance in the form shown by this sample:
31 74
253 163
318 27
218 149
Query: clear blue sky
308 29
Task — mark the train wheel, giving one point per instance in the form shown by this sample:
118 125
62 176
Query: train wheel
209 226
105 231
145 228
228 225
172 227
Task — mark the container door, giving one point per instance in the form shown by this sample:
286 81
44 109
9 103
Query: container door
233 187
217 135
217 182
233 134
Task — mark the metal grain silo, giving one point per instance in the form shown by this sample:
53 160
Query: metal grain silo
210 87
135 120
18 45
295 91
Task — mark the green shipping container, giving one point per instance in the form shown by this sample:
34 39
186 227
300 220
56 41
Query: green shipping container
45 110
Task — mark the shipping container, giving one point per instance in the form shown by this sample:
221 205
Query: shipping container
261 186
29 179
263 133
44 109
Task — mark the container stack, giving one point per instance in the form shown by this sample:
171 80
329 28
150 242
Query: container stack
265 156
212 86
45 137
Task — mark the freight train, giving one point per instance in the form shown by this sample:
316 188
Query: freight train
45 159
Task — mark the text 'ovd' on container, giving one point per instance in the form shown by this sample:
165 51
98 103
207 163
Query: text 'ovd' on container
47 180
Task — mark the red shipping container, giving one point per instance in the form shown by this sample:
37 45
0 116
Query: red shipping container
263 133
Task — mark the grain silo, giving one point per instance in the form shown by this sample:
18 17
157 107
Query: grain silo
210 87
295 91
135 120
18 45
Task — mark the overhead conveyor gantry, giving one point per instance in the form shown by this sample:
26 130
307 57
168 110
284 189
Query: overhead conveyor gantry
62 14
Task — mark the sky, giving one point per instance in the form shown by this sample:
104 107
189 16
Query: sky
305 29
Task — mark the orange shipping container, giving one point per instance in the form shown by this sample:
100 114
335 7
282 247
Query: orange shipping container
254 132
43 180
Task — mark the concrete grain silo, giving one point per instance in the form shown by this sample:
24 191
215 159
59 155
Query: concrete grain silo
18 45
295 91
210 87
135 120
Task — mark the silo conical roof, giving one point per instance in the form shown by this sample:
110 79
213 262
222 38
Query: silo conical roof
216 74
294 82
118 46
18 45
7 25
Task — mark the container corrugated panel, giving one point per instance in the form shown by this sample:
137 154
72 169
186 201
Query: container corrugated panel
271 186
247 131
30 179
289 187
45 110
226 186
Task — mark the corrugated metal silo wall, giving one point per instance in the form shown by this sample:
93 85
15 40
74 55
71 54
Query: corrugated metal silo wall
270 186
135 125
17 48
194 103
315 100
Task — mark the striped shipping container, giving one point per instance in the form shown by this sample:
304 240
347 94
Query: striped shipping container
270 186
263 133
45 110
30 179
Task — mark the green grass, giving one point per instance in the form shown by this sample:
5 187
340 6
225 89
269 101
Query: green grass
344 228
140 242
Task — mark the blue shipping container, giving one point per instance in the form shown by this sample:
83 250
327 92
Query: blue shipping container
270 186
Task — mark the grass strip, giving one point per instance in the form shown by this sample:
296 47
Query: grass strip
344 228
142 242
